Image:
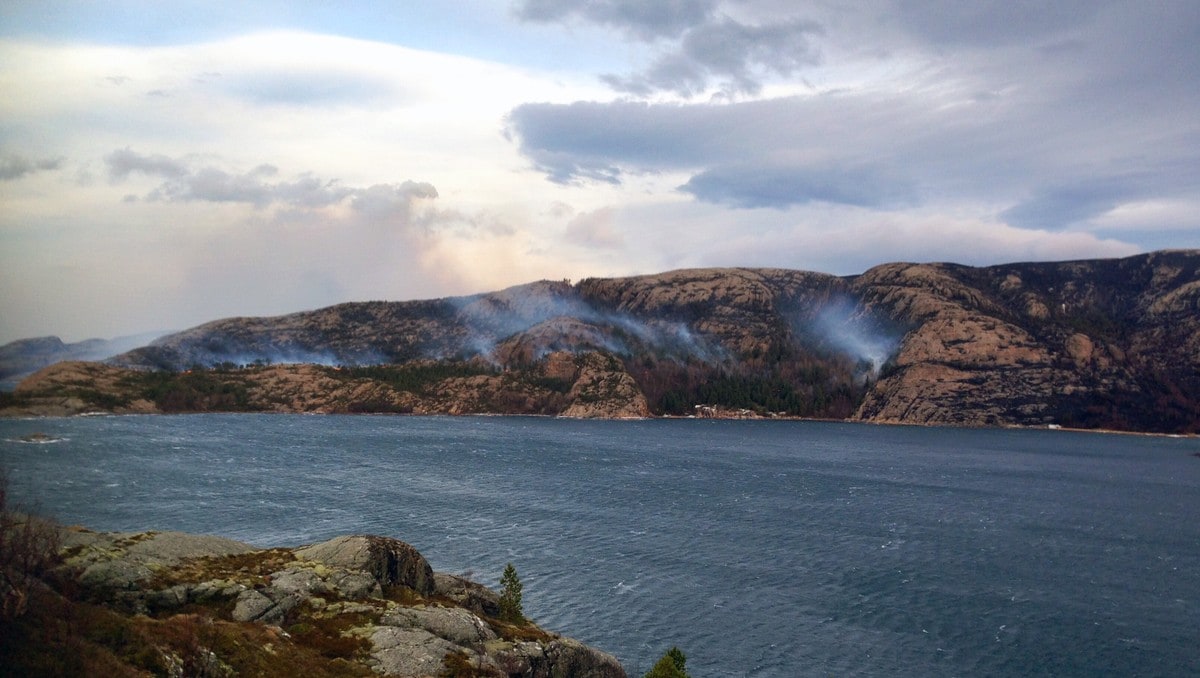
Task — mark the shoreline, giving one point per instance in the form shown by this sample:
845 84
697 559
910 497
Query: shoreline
759 418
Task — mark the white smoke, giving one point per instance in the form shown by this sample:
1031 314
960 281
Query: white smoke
856 333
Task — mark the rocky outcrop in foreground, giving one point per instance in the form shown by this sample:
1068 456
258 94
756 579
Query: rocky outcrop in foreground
180 604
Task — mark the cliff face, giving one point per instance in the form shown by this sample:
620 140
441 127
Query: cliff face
170 603
1106 343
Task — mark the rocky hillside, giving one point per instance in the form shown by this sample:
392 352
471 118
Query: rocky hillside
167 603
1094 344
586 385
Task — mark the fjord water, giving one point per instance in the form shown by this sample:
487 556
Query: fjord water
760 548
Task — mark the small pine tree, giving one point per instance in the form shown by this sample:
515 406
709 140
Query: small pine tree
671 665
510 596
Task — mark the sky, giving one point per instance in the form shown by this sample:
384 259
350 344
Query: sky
163 164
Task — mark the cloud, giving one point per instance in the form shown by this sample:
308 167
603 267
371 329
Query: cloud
1163 215
123 162
595 229
13 167
186 182
751 185
698 43
1056 207
311 87
387 203
599 141
640 19
848 240
1092 110
735 55
991 23
773 153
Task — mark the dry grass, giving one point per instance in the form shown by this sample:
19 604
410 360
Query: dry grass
63 637
245 568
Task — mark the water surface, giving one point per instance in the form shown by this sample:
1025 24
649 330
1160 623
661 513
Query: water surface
760 548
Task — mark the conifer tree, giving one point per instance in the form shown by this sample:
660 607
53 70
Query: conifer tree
671 665
510 596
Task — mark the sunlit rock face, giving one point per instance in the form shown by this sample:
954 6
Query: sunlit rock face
1107 343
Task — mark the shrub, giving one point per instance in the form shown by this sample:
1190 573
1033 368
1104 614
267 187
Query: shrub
458 664
28 548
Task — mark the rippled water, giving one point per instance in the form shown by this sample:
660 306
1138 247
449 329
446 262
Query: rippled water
760 548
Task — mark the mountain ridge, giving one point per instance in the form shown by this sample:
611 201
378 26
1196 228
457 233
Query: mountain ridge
23 357
1106 343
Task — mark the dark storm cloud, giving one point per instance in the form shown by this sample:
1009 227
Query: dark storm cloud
14 167
642 19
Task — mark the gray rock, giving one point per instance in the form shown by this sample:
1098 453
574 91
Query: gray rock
560 658
167 599
354 585
116 560
453 624
389 561
216 588
569 658
171 547
408 652
113 575
306 582
258 606
300 580
516 660
251 605
475 597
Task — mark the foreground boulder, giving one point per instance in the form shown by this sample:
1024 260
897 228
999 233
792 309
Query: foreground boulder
178 604
390 561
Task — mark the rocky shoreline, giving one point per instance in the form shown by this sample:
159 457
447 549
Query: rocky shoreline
181 604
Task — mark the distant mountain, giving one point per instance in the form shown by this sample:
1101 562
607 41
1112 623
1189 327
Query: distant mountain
1093 344
26 356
